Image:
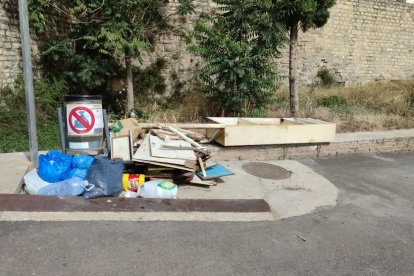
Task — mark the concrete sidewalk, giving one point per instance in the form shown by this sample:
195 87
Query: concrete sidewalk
13 166
302 193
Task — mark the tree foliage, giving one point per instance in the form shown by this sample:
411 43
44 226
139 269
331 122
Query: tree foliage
295 14
309 13
101 30
237 48
104 36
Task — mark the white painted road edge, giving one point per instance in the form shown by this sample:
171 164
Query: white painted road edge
136 216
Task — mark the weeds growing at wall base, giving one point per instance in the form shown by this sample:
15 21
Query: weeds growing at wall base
374 106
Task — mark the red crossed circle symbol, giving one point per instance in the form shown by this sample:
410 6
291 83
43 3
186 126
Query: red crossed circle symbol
88 126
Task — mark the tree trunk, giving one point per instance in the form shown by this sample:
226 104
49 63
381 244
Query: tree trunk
293 88
130 84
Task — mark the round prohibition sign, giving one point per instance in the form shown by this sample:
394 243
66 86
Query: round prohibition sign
88 125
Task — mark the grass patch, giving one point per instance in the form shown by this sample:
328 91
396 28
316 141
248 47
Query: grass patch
325 77
47 136
374 106
13 120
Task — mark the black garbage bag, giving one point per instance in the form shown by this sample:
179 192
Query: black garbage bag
106 175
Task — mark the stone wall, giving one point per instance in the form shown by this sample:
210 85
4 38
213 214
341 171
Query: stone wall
171 45
364 40
11 65
10 50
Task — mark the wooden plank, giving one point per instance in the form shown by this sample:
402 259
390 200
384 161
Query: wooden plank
215 135
121 147
144 154
185 126
192 134
226 121
165 165
265 121
185 138
157 149
197 181
195 149
266 131
162 134
203 170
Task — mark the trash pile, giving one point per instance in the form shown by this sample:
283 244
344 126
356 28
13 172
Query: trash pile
145 161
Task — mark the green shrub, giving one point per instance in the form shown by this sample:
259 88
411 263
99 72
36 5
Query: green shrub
411 99
12 110
325 77
149 86
13 115
49 96
148 83
332 101
47 136
238 72
337 104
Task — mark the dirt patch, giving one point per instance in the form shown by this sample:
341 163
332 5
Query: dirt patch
267 171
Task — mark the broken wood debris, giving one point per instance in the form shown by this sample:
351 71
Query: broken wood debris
166 152
175 160
177 152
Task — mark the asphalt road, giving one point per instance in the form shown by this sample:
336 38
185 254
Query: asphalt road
370 232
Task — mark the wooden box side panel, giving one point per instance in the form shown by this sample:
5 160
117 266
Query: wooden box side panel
254 135
312 133
245 135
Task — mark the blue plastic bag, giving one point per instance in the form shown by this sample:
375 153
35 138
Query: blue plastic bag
76 173
82 161
54 166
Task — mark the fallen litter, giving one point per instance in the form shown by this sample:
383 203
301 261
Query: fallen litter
197 181
143 155
214 171
158 189
149 160
33 182
301 238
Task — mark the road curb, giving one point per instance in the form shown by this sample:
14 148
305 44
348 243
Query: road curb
345 144
136 216
50 208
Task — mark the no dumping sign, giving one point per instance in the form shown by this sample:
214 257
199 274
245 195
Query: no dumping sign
83 120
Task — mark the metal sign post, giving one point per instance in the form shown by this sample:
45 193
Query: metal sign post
28 79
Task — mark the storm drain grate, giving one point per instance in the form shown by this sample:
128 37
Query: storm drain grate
267 171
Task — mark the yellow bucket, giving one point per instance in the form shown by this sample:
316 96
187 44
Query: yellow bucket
132 181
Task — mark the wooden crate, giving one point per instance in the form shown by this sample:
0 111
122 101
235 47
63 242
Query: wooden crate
273 131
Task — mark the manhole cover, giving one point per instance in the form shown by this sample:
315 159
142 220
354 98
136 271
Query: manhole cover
267 171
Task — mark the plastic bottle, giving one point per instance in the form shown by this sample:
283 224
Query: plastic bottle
69 187
158 189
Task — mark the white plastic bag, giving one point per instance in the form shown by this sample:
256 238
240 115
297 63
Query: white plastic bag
128 194
158 189
33 182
